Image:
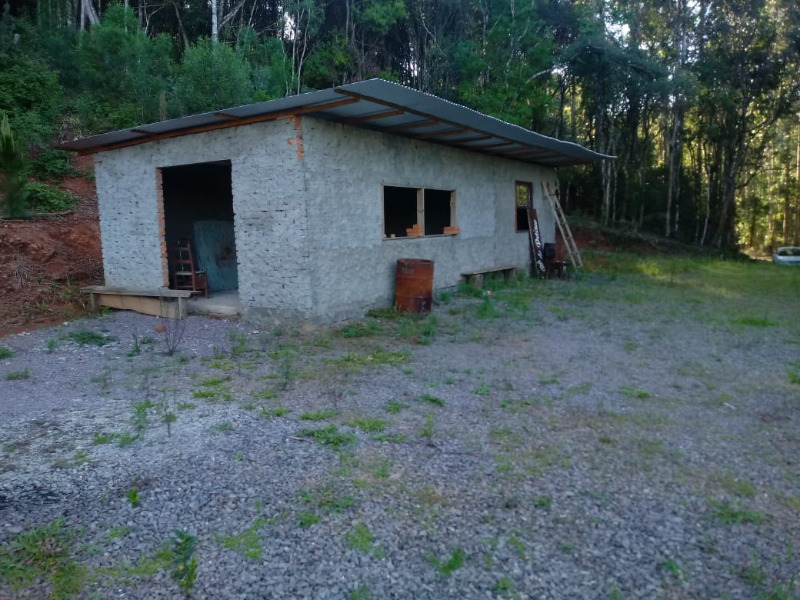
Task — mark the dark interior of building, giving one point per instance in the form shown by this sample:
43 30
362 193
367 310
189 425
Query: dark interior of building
437 211
400 210
198 207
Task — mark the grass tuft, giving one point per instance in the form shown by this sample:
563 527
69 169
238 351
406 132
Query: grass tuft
18 375
42 555
359 330
431 399
90 338
395 406
733 514
754 322
452 564
317 415
376 357
329 436
360 538
307 519
369 425
247 542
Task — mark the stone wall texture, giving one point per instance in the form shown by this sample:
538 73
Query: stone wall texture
308 206
354 265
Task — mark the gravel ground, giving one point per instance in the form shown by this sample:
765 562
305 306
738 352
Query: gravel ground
601 438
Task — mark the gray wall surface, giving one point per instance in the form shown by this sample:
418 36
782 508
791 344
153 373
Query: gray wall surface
268 203
354 265
308 213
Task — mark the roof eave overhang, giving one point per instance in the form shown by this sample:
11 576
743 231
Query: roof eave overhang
376 105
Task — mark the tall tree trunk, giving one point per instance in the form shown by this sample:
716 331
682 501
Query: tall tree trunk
181 29
787 207
675 162
678 118
734 150
88 13
214 20
707 196
796 212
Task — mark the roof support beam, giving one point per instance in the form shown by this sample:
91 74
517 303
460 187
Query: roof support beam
373 116
445 133
525 150
414 125
421 114
479 138
497 145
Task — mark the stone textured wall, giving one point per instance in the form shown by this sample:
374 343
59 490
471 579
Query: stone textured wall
353 267
308 213
268 202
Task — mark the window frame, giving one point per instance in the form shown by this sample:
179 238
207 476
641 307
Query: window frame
420 192
529 186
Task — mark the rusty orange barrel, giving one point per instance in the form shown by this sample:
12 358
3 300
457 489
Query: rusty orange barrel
414 285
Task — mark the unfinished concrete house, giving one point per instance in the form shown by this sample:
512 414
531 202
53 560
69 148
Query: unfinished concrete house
303 205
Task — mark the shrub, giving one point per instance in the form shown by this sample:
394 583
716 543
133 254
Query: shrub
212 76
13 169
52 164
47 198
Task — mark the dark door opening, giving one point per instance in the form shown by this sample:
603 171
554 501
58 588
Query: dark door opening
198 207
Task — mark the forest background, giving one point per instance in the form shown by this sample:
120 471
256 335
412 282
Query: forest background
698 99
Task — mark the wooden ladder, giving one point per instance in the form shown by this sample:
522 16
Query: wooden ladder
561 220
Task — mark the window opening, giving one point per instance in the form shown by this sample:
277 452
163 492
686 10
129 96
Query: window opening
437 211
429 211
524 197
399 210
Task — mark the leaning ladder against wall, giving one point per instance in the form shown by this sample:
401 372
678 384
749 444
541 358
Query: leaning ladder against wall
561 220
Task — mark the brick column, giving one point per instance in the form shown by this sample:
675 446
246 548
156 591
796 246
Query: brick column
162 228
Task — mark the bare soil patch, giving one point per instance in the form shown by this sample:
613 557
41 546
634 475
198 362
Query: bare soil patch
43 262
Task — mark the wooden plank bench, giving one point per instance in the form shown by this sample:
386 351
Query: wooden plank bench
160 302
475 278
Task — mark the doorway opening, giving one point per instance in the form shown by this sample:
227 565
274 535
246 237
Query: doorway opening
198 209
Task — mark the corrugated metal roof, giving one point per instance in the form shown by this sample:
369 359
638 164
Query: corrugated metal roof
374 104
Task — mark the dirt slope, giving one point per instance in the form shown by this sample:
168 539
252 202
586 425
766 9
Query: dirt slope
44 262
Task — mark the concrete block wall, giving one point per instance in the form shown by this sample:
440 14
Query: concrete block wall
127 194
354 265
268 202
308 213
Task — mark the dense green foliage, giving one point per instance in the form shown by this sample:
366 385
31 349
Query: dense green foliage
12 174
698 100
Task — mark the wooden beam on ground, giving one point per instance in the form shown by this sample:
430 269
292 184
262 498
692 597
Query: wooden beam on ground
160 307
160 302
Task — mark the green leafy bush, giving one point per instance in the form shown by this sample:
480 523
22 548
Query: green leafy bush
212 76
13 170
46 198
52 164
124 72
